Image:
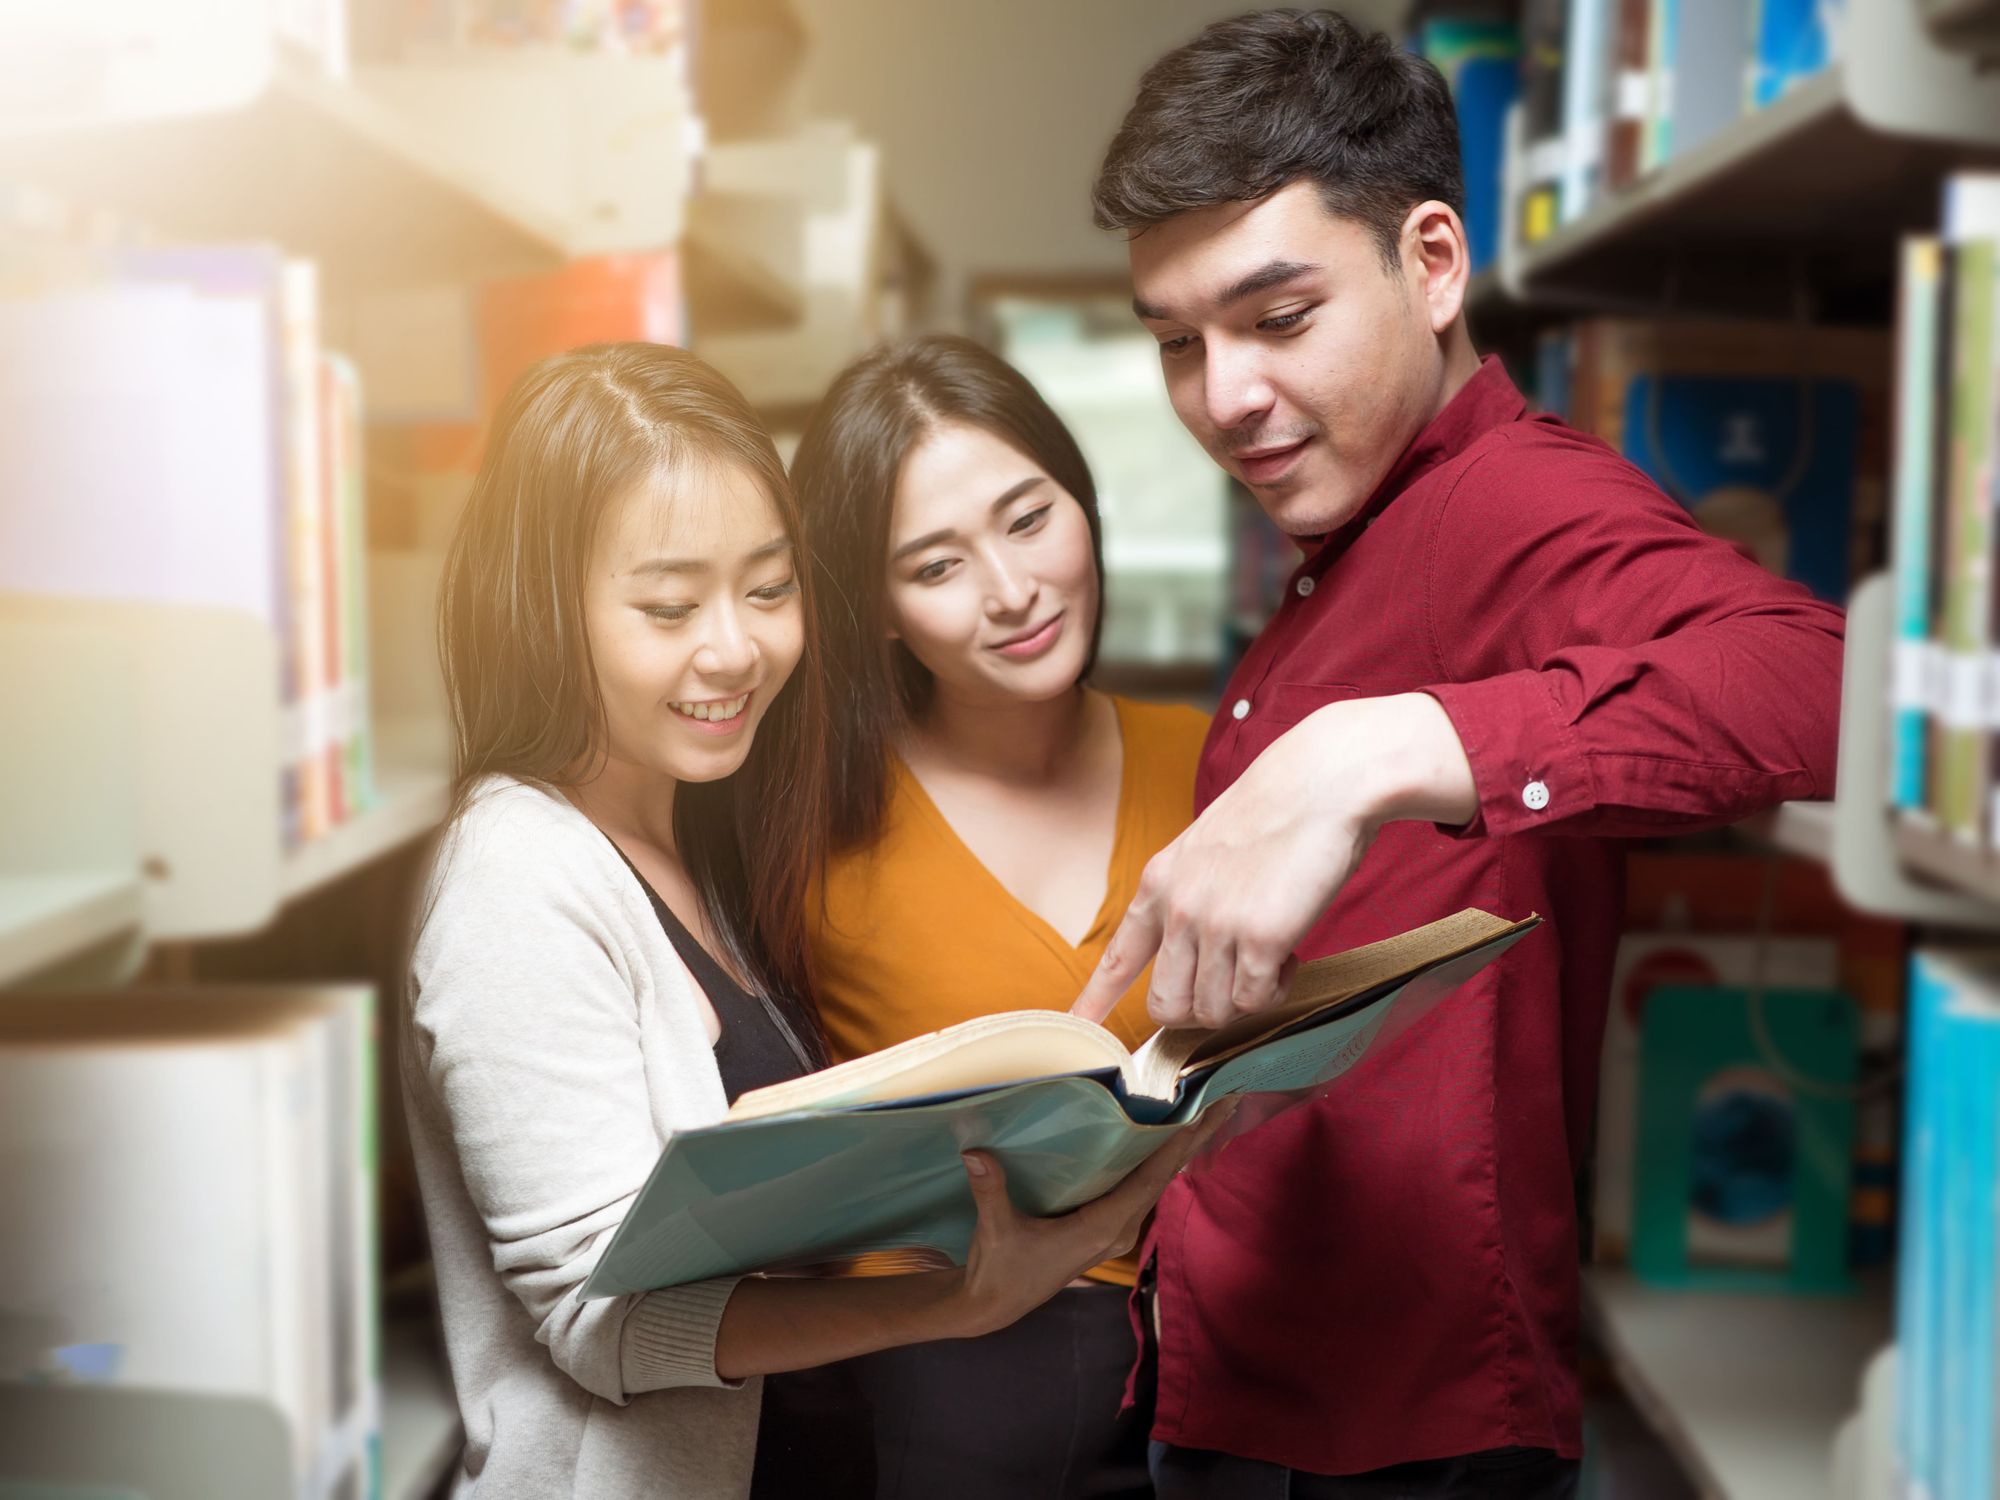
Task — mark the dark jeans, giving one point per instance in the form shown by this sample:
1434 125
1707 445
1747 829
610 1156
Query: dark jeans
1028 1413
1498 1474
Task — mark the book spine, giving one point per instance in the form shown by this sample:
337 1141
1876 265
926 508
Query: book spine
306 734
1586 54
1910 543
1966 594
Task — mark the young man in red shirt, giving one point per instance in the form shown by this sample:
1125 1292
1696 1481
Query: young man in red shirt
1503 651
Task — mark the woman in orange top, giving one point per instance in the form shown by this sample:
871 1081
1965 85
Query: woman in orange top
991 818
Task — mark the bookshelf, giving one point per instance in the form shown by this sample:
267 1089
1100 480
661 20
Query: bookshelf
1746 1390
1817 184
323 167
45 919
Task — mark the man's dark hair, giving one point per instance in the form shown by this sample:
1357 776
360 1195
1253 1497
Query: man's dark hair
1261 100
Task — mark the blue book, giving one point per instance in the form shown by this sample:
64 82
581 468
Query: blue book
1767 461
1793 43
1918 1290
866 1156
1586 57
1973 1041
1481 60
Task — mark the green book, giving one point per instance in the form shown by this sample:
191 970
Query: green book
866 1156
1966 591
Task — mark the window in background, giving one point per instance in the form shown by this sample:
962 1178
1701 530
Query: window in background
1165 505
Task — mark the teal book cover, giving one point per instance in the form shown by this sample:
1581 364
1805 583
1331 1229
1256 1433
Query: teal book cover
839 1178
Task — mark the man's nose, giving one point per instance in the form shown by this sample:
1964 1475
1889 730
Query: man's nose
1237 390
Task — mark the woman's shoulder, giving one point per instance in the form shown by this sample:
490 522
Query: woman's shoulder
509 835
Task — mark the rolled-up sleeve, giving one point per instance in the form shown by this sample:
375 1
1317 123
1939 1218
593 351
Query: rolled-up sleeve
1612 670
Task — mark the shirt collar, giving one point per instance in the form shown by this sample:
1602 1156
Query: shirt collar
1486 401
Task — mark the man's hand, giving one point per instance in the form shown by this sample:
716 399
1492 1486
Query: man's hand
1225 904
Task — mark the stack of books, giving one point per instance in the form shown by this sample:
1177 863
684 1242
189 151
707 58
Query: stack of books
176 434
190 1187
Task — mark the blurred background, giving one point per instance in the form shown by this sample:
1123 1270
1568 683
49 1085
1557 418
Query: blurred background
265 266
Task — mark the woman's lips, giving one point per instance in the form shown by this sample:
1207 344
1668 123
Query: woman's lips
1026 647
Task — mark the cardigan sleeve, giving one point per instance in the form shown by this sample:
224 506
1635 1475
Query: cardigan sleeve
526 1024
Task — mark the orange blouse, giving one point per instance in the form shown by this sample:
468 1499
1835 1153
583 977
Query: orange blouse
916 934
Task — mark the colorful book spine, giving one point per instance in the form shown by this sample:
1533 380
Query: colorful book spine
353 738
1544 27
306 733
1629 81
1966 591
1910 542
1586 57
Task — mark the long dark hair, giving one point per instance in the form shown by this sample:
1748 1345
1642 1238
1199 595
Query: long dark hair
845 471
575 431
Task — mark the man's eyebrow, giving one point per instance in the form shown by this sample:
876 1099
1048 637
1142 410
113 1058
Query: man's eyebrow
1277 273
1006 497
658 567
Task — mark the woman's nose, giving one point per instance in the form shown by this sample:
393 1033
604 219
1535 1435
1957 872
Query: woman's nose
727 649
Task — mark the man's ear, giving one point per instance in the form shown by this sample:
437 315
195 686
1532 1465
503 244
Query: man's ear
1437 260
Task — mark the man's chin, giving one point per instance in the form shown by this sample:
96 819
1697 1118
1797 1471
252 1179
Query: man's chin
1308 511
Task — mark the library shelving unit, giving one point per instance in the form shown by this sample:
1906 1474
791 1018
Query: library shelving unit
141 800
1796 206
1808 192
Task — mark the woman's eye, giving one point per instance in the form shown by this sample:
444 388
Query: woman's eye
773 593
1029 522
669 614
1284 321
931 572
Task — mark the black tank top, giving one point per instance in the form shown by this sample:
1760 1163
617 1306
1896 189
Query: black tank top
815 1435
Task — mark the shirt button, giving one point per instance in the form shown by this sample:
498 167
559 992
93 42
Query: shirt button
1536 795
1241 710
1305 588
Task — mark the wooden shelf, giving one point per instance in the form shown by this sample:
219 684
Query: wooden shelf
46 918
410 803
420 1423
314 164
1746 1389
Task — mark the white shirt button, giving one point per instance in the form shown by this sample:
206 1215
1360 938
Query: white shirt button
1241 710
1536 795
1305 587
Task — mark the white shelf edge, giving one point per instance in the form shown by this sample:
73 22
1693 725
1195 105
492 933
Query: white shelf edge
47 918
1746 1389
1801 828
410 802
421 1432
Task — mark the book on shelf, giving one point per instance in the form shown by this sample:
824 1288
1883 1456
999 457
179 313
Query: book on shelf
1944 694
1481 60
190 1181
1947 1326
1615 89
1770 434
866 1156
175 403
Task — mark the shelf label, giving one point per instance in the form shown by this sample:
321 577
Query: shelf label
1913 680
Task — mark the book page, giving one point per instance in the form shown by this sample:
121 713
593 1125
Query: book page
1169 1055
988 1050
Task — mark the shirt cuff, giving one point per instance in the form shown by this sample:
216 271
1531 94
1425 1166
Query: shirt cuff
669 1337
1527 766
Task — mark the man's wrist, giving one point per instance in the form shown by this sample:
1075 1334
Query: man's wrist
1398 757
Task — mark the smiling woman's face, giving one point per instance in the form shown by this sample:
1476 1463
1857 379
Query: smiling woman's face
993 586
692 609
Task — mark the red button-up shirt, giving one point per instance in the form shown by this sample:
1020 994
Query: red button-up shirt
1389 1273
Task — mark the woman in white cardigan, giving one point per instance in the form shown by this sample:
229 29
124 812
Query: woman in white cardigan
611 943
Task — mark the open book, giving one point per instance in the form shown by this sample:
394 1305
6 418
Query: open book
866 1156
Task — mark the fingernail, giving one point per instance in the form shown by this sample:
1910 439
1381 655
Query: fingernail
973 1165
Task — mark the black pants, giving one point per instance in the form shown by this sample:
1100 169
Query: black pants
1028 1413
1500 1474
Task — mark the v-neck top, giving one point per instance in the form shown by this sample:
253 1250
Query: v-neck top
916 933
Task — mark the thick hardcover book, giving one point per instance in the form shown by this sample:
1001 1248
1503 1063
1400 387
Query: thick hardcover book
866 1156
